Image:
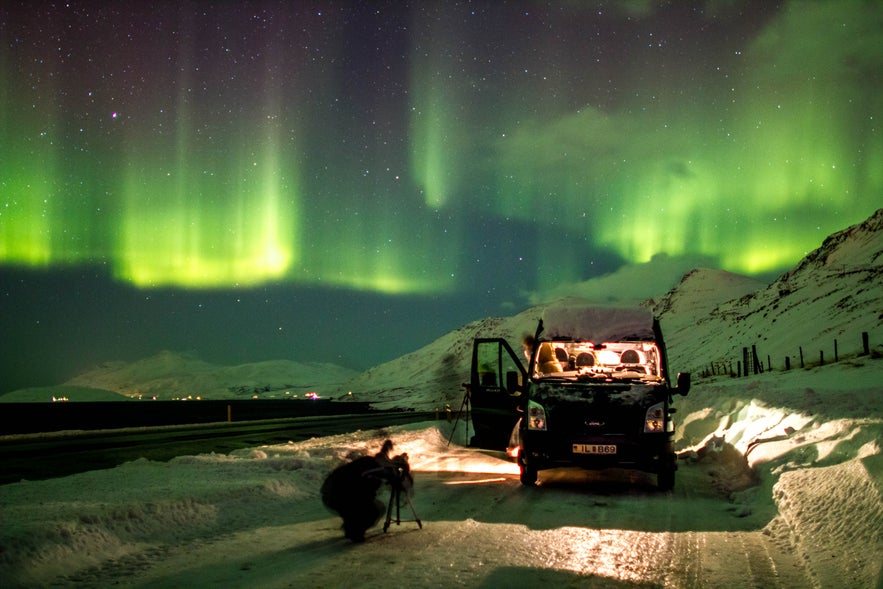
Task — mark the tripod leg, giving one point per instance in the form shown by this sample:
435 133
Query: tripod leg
395 497
464 403
414 511
389 511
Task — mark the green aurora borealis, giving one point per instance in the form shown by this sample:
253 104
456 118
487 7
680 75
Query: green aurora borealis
215 152
431 148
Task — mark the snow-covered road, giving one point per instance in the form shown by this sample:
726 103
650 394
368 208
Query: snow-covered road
495 533
254 519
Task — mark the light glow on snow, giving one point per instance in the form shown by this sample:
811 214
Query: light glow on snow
476 481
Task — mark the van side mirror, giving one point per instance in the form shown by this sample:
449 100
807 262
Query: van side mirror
683 383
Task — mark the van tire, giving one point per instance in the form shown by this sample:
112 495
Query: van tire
528 474
665 480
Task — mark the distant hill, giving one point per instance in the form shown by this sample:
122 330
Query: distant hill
172 375
433 376
60 393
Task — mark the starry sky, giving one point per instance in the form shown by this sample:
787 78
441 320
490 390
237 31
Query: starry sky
346 181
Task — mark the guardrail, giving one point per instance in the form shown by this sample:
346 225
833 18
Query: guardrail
20 418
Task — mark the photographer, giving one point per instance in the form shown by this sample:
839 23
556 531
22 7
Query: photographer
351 489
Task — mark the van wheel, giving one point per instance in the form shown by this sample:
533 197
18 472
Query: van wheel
665 480
528 474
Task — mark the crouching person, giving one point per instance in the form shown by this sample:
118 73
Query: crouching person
351 491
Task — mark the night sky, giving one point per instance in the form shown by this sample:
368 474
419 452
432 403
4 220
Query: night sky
346 181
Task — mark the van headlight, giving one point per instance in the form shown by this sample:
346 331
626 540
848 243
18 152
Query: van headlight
654 420
536 416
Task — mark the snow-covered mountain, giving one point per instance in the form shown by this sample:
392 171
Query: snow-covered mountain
834 293
169 375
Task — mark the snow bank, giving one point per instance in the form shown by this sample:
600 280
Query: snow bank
54 529
836 513
812 439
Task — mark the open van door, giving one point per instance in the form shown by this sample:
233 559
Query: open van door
496 391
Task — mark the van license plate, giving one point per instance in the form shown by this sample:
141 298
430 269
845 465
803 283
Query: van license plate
594 449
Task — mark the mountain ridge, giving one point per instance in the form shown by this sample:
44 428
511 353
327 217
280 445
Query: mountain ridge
708 318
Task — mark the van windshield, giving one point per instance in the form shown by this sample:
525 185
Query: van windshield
607 361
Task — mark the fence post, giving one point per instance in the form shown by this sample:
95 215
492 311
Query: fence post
836 354
865 345
801 357
821 357
787 362
769 363
758 367
745 361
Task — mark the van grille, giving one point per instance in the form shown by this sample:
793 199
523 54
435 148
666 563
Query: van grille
593 419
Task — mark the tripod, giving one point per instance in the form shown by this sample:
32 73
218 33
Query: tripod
465 403
395 496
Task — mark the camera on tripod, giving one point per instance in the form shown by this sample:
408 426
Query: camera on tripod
397 472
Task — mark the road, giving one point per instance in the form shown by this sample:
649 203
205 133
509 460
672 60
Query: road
480 528
42 456
575 530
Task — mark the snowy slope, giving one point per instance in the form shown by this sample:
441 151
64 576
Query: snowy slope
433 376
834 293
699 292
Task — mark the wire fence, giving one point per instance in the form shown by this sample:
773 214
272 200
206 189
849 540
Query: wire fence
752 362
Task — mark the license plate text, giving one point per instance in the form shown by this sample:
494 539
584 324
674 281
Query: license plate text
594 449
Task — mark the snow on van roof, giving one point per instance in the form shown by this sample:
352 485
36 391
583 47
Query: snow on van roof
597 324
